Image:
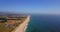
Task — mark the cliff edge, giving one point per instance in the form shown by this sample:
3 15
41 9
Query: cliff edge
22 27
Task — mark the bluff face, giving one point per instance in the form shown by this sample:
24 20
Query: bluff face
13 22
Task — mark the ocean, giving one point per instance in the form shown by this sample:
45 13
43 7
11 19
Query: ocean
44 23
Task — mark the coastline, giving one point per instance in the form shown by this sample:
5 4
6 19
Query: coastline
22 27
27 23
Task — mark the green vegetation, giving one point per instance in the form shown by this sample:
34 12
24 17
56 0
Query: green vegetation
5 26
3 20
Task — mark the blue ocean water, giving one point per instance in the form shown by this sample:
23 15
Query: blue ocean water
44 23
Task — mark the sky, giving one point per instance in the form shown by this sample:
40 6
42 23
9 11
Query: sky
30 6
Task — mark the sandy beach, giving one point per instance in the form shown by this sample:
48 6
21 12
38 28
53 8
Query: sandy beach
22 27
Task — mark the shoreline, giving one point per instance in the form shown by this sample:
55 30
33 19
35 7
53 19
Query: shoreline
22 27
27 23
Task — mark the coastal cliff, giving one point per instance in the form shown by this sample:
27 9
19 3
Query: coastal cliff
13 22
22 27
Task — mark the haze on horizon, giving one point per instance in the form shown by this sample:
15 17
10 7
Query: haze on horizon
30 6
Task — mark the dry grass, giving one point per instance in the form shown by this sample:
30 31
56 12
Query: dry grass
4 28
4 25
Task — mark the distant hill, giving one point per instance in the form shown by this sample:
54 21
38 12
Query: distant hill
9 14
